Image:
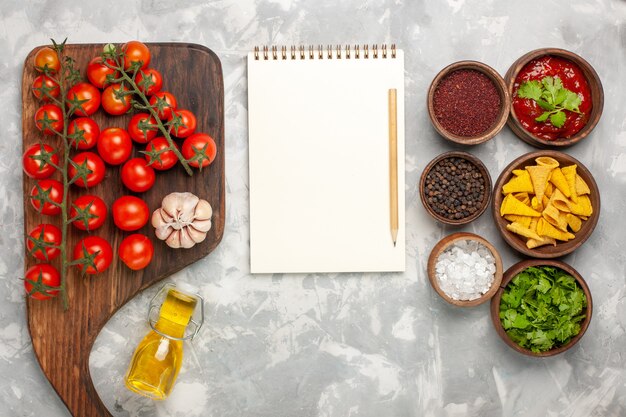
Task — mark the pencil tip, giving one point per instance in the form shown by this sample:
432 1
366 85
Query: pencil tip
394 243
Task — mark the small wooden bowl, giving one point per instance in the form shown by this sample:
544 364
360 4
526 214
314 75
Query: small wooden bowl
498 82
517 242
595 85
441 246
481 168
509 275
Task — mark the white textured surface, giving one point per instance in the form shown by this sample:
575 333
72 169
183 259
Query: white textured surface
325 345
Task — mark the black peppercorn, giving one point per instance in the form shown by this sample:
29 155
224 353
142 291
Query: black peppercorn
459 188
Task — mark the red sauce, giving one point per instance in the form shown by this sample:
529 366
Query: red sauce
572 78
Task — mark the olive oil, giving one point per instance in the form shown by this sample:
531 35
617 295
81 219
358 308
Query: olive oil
158 358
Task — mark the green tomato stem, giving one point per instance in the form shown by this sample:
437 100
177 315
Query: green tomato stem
159 125
66 186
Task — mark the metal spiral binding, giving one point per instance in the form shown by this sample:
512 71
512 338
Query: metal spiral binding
267 53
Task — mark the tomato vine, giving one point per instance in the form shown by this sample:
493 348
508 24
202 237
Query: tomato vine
113 58
66 77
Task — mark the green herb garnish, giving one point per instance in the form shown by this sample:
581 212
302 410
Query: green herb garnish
552 97
542 308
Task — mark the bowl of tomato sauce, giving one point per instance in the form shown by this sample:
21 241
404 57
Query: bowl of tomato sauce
556 98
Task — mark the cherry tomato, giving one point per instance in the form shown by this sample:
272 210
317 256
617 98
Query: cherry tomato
199 150
54 117
96 251
93 163
188 123
114 145
47 234
47 58
156 81
37 280
97 72
54 190
136 251
34 163
135 128
163 102
84 91
137 176
44 82
130 213
89 136
114 101
93 212
159 155
135 52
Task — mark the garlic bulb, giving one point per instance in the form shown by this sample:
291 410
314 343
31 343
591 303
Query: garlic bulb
183 220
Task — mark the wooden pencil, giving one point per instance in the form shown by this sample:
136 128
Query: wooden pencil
393 163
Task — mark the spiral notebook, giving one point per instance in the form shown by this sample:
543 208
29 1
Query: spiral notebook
319 159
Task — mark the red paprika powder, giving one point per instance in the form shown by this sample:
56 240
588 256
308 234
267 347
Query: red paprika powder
466 103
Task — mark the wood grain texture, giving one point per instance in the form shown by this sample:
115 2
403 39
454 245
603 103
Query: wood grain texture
444 244
518 242
62 340
509 275
597 97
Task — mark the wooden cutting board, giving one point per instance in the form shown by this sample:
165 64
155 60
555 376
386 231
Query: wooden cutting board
62 340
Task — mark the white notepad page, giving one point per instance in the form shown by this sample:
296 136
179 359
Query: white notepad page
319 164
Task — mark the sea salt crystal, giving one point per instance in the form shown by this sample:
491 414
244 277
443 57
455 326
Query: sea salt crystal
465 270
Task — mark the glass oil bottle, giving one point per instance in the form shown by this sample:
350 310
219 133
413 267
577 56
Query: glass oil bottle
158 358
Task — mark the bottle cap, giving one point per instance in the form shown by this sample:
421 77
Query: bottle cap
158 302
187 288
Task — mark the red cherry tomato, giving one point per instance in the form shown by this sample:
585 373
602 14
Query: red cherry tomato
96 249
37 280
51 86
93 163
47 234
114 101
163 102
97 72
199 150
54 190
90 132
188 123
149 76
136 251
159 155
34 166
130 213
135 52
84 91
54 115
93 212
139 121
114 145
47 58
137 176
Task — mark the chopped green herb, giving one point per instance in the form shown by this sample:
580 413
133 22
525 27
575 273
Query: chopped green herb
552 97
542 308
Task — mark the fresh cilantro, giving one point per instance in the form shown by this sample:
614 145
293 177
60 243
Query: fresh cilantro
552 97
542 308
530 89
558 118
